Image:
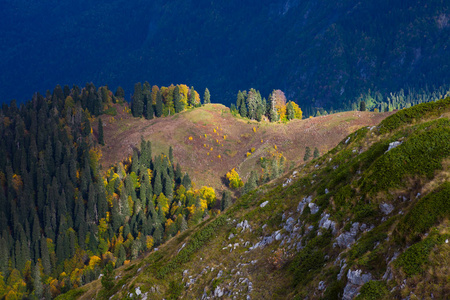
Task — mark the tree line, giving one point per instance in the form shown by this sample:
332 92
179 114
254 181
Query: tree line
250 105
150 102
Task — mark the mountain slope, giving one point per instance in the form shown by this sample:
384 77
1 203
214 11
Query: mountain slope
369 217
321 54
216 132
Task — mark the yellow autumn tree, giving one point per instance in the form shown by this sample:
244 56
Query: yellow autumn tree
234 179
298 110
155 90
163 202
149 242
208 194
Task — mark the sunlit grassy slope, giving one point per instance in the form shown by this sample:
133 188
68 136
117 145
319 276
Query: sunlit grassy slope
366 218
209 141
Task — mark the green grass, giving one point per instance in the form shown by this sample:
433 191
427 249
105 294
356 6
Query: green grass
412 114
373 290
416 256
421 154
71 295
426 213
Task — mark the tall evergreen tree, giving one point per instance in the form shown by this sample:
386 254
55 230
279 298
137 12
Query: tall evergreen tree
307 154
207 97
362 106
137 106
290 112
149 112
120 93
101 140
226 200
316 152
159 104
179 104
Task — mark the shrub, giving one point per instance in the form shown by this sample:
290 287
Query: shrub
416 256
373 290
426 213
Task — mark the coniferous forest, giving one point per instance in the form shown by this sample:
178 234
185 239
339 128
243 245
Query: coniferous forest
63 218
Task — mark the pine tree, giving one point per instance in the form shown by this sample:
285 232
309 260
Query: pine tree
226 200
38 287
362 106
290 112
243 110
171 155
307 154
207 97
137 106
179 104
108 277
157 185
316 152
192 100
186 182
120 93
149 112
159 105
101 140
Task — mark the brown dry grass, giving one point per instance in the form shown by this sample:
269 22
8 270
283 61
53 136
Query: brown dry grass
324 132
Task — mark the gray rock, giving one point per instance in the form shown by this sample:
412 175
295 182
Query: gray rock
287 182
231 236
313 207
342 272
138 291
289 224
303 203
345 240
355 279
326 191
220 274
326 223
393 145
244 225
279 236
218 292
386 208
321 286
264 204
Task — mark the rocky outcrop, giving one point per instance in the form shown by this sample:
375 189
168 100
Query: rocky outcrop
355 279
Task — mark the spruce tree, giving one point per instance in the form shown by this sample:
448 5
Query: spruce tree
159 105
137 106
149 112
290 112
101 140
192 100
307 154
240 100
226 200
179 105
171 155
243 110
157 186
316 152
362 106
207 97
120 93
186 182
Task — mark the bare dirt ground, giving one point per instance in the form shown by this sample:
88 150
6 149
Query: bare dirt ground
209 141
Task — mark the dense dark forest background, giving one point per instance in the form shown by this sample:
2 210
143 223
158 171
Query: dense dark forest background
321 54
